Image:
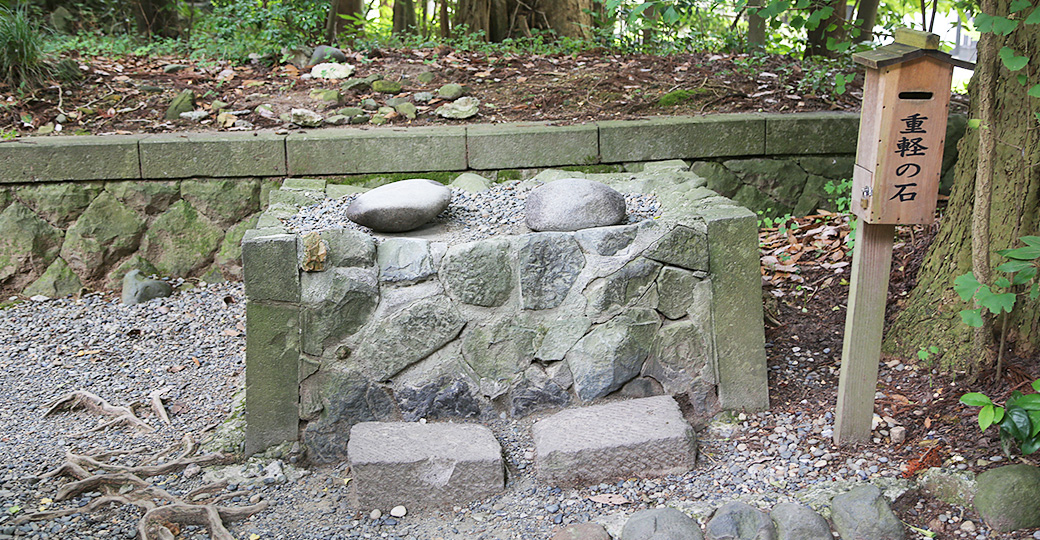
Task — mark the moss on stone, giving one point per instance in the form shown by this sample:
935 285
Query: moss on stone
676 97
181 241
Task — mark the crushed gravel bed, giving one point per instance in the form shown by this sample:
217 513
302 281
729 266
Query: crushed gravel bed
193 344
469 216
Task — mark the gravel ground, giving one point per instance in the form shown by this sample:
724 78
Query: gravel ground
469 217
193 344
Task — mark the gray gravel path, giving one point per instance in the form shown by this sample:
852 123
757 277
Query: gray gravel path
193 343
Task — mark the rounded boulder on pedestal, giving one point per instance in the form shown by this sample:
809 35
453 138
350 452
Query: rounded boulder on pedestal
400 206
570 204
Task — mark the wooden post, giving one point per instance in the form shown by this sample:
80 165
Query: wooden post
906 94
864 321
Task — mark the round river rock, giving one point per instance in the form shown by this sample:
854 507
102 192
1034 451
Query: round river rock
570 204
400 206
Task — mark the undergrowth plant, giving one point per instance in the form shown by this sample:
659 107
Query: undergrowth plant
1018 419
1021 274
22 62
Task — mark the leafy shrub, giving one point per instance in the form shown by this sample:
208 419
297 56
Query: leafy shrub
21 48
1021 269
1018 419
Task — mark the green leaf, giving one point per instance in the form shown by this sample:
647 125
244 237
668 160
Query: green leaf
1036 385
1034 417
1014 266
974 123
996 303
14 509
1002 282
1025 276
972 317
1019 5
1018 423
966 285
933 349
1034 291
670 16
1029 402
1003 27
1034 17
975 399
1031 240
1011 59
1023 79
986 417
998 415
1026 253
1029 446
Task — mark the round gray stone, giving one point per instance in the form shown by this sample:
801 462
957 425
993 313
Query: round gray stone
795 521
661 524
740 521
570 204
863 513
1008 497
138 289
400 206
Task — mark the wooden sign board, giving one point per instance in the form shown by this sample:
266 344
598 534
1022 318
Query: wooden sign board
901 136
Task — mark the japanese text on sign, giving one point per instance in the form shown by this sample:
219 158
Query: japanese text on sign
909 147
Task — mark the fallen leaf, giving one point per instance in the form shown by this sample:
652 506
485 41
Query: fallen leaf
609 498
175 369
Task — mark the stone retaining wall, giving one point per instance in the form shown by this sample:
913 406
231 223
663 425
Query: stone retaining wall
82 211
343 328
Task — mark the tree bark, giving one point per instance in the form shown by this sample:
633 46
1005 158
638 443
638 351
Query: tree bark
931 315
475 15
568 18
155 18
339 21
404 17
867 15
816 40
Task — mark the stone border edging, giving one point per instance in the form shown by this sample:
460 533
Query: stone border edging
343 151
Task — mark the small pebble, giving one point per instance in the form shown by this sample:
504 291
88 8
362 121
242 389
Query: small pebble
375 514
398 511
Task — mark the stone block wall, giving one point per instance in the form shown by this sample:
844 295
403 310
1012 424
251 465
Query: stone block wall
57 238
345 328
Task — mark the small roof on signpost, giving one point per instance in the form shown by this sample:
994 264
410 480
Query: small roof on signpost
910 44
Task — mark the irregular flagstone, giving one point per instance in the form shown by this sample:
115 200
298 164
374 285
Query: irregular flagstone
408 336
1008 497
795 521
336 304
682 246
404 259
680 291
612 353
739 521
570 204
606 241
59 203
338 400
423 465
106 231
28 245
181 241
549 265
479 273
137 288
661 524
224 201
57 281
496 352
442 398
629 284
588 445
536 391
400 206
862 513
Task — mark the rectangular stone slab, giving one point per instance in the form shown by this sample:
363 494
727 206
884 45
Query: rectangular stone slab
605 443
380 150
185 155
423 465
51 159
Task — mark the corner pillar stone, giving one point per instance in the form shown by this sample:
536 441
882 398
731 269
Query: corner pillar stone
737 308
272 371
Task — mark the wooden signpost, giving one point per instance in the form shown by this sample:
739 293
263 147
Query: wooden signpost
906 98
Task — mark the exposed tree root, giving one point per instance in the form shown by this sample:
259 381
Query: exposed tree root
93 403
126 484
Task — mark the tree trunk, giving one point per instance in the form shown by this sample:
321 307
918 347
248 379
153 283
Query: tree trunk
155 18
339 21
756 34
930 316
404 17
867 15
816 40
568 18
445 20
475 15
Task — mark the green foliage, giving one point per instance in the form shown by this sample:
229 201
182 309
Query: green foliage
1021 271
666 26
1018 419
840 193
927 352
22 61
237 28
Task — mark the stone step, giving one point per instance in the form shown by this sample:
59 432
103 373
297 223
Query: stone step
605 443
423 465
